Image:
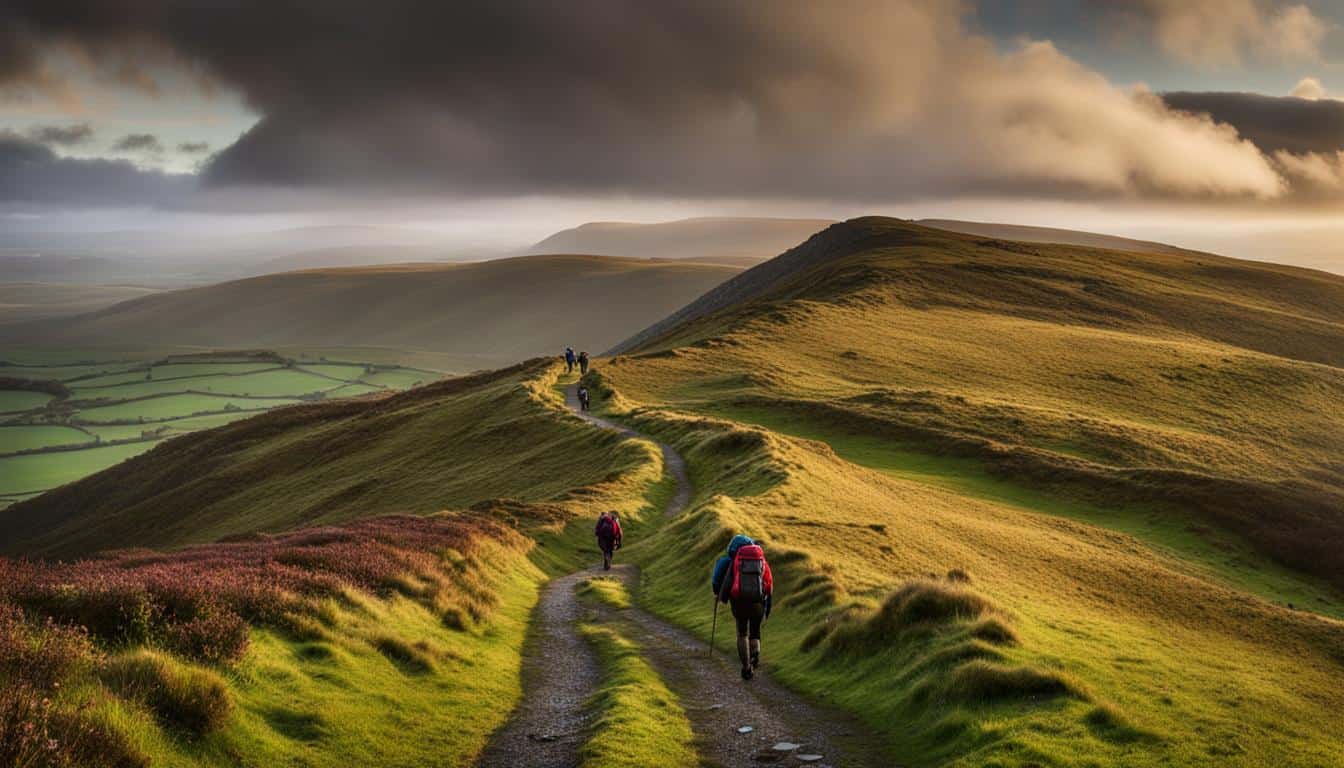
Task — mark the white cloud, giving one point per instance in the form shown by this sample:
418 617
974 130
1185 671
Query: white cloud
1309 88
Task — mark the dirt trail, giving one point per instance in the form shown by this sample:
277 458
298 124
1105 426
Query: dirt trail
560 672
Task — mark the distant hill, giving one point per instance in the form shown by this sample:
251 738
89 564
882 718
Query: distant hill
732 241
487 313
1049 235
40 300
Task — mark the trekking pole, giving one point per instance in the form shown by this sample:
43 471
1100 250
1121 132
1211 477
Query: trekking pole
713 627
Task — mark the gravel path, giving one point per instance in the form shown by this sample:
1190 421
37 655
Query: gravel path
560 673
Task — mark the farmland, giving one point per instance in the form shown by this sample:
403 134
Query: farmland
63 417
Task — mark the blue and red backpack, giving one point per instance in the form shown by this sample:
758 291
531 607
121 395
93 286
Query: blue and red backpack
750 580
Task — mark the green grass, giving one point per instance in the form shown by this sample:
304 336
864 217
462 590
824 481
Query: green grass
467 442
1210 553
268 383
40 471
607 590
22 438
336 371
639 721
15 400
176 406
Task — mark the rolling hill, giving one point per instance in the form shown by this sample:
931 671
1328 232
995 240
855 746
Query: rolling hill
739 242
480 314
1027 504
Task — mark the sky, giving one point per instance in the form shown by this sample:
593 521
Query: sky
1190 117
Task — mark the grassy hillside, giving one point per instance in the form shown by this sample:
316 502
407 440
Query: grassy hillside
442 446
1205 383
734 241
483 315
1126 464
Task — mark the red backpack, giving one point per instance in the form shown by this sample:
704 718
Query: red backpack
751 581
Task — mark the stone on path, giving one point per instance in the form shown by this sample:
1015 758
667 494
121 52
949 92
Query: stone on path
809 758
745 729
786 746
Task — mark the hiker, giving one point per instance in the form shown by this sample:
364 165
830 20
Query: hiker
583 363
569 359
583 398
608 532
742 579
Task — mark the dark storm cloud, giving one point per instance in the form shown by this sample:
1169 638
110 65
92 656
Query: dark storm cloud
1272 122
32 173
139 142
878 99
193 147
62 135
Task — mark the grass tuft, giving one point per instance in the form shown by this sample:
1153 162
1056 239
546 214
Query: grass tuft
410 658
192 699
981 680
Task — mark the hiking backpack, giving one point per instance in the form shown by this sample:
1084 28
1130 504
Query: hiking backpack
606 528
751 576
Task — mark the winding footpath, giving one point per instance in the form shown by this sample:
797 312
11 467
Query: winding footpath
560 673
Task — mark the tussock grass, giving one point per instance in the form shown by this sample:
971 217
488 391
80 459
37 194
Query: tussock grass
194 700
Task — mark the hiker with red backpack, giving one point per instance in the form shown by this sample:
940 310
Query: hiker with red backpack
742 579
608 533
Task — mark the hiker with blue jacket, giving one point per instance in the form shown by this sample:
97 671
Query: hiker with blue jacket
569 359
742 579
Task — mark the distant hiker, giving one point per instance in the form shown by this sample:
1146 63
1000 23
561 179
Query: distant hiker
569 359
583 398
583 362
608 532
742 579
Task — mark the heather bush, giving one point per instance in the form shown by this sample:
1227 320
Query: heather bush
199 601
191 699
40 656
35 732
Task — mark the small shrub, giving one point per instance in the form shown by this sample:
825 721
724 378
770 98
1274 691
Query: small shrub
41 656
194 700
217 638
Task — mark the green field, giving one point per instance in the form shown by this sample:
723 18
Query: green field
399 378
336 370
156 397
176 406
15 400
24 438
278 382
39 471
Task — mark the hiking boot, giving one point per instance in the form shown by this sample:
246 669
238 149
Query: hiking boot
746 673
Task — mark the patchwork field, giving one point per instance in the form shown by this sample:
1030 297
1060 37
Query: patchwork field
63 417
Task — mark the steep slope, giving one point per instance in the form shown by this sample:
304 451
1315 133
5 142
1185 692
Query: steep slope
1197 380
487 313
735 241
445 445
